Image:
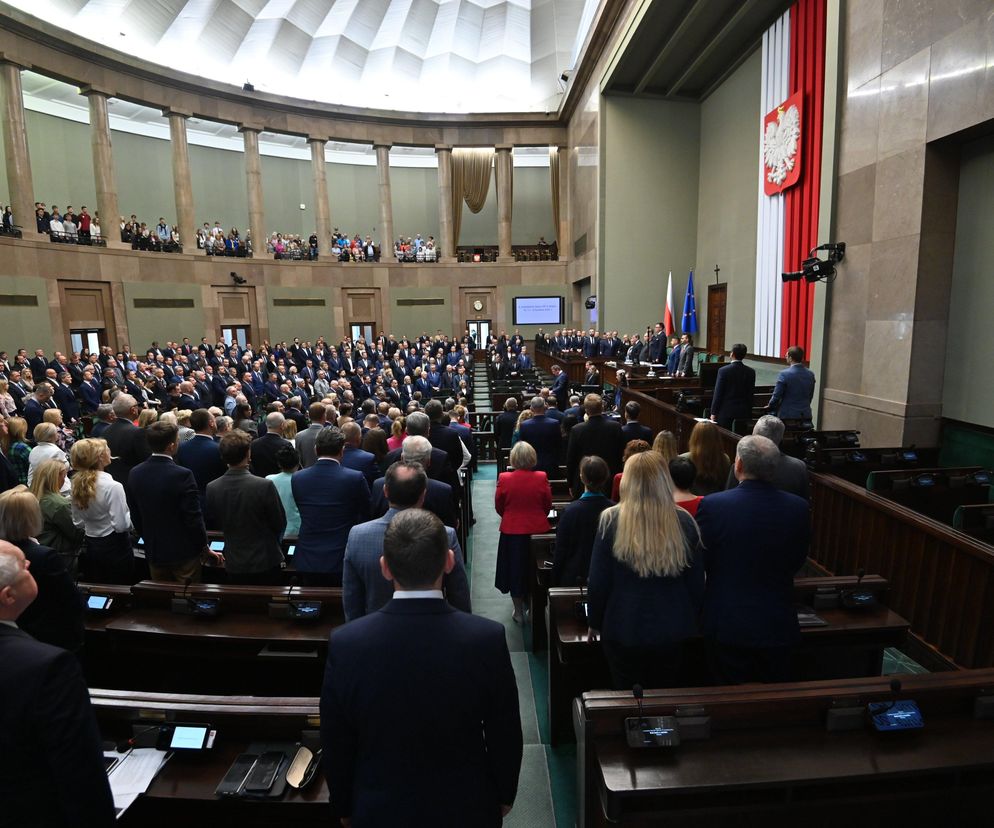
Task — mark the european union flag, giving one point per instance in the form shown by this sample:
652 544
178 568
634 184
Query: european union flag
690 308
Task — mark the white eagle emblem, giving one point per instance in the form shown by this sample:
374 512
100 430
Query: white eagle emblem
780 144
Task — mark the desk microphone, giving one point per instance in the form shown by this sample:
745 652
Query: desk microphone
638 693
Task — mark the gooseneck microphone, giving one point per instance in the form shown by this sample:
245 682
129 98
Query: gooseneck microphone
637 692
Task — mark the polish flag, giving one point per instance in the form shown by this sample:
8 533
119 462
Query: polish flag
668 316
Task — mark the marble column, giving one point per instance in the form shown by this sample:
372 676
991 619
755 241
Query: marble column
104 178
562 231
15 142
386 200
185 218
446 243
505 190
322 214
253 184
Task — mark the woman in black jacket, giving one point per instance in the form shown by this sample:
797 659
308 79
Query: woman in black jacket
578 525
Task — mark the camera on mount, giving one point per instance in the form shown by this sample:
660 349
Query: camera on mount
814 269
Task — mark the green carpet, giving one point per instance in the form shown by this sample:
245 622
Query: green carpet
547 785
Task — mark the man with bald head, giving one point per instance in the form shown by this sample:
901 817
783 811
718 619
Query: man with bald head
265 448
51 765
127 443
756 539
354 457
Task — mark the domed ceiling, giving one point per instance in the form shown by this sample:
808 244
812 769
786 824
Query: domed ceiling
411 55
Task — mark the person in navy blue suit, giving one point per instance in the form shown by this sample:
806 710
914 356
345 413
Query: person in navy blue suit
331 500
560 387
201 454
89 392
51 768
545 436
646 581
794 390
415 687
65 398
633 429
166 511
756 538
733 390
590 344
355 457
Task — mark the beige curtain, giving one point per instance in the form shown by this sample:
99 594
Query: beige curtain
470 183
554 172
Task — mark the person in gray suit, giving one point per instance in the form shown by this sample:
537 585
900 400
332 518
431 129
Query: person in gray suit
249 511
364 589
791 474
304 440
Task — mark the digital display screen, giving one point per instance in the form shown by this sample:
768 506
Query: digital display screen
307 609
217 546
925 480
97 602
910 456
538 310
188 738
983 478
290 550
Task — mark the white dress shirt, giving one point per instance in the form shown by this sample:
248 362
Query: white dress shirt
107 513
47 451
419 593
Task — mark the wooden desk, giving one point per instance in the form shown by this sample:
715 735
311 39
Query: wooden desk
142 644
183 792
850 645
770 759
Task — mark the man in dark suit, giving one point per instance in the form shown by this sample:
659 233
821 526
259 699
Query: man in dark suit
592 375
36 406
201 453
544 435
249 511
126 441
598 435
591 344
443 437
368 690
633 429
165 510
733 390
265 448
756 539
355 458
506 422
51 767
656 346
794 390
65 399
560 386
331 500
791 474
89 392
439 497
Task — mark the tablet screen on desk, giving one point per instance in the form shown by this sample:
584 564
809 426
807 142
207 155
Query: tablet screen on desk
187 737
290 550
217 546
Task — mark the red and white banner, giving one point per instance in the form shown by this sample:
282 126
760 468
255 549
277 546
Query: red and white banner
781 145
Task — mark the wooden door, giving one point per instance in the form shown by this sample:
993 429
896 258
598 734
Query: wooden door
717 298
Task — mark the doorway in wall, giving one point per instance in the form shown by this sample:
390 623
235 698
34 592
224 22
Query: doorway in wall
235 335
362 330
91 339
479 329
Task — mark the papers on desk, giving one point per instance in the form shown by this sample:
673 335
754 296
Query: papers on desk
132 774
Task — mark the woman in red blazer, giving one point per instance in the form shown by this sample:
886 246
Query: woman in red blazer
523 500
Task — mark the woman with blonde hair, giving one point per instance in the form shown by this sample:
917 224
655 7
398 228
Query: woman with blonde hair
17 449
57 531
147 417
522 500
100 508
524 416
709 459
7 405
646 584
46 448
666 445
631 447
398 431
288 431
66 437
56 614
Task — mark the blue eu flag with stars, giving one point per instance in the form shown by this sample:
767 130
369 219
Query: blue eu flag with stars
690 308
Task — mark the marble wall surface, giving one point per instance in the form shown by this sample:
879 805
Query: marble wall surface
916 73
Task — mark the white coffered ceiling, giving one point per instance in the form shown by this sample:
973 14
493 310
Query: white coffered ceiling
412 55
